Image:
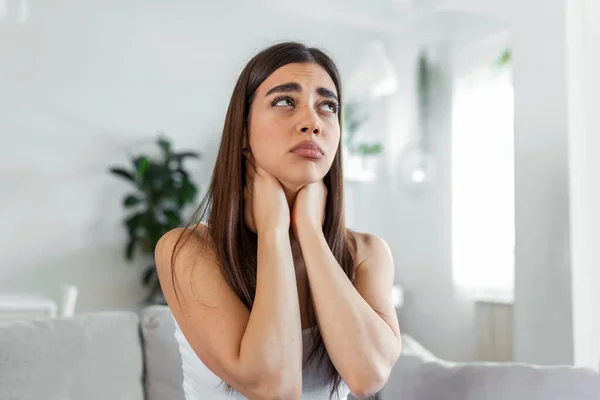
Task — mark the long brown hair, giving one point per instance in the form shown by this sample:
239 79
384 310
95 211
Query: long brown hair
235 244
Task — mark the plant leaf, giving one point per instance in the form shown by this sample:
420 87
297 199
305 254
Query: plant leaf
188 192
122 173
148 275
131 200
155 294
504 58
130 248
183 173
133 222
165 145
173 218
153 176
369 149
186 154
141 165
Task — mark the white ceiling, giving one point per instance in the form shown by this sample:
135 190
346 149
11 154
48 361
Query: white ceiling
392 17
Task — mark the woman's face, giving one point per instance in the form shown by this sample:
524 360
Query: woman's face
296 105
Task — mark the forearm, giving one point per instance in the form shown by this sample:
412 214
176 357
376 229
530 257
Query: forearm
359 342
272 341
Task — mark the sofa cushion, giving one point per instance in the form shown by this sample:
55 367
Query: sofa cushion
410 347
416 379
164 378
94 356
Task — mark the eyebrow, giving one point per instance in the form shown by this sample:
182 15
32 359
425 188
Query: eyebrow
327 93
294 87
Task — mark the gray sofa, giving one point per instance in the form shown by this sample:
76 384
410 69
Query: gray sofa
123 356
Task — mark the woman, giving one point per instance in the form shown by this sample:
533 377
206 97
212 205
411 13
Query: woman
275 297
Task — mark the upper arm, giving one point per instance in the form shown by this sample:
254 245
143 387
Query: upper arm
211 316
374 278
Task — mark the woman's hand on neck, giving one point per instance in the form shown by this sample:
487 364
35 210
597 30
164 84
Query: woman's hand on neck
306 203
291 191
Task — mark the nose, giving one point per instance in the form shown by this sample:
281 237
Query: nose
310 124
315 130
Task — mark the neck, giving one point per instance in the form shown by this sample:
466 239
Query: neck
290 194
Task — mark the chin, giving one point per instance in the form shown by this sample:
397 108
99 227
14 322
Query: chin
301 177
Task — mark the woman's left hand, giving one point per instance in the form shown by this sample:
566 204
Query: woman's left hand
309 206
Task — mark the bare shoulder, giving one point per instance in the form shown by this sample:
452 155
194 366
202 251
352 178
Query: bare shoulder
370 247
195 236
182 250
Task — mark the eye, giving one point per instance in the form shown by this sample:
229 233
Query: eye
329 106
283 102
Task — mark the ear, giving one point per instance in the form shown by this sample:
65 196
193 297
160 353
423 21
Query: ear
245 140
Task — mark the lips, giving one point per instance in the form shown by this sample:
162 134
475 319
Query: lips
308 149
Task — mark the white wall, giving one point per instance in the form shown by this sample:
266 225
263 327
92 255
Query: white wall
543 318
83 84
583 36
557 317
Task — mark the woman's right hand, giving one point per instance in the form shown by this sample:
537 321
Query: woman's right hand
265 205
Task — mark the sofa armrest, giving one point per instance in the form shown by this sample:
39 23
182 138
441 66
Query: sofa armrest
416 379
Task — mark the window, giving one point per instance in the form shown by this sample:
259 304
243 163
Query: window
483 233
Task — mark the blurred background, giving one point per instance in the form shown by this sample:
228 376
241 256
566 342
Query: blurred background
469 146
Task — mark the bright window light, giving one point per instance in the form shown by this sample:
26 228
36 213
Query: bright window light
483 232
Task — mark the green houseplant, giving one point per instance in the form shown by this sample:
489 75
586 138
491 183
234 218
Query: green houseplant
360 157
161 188
353 117
505 58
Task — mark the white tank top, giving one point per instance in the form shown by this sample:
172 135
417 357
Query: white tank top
200 383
